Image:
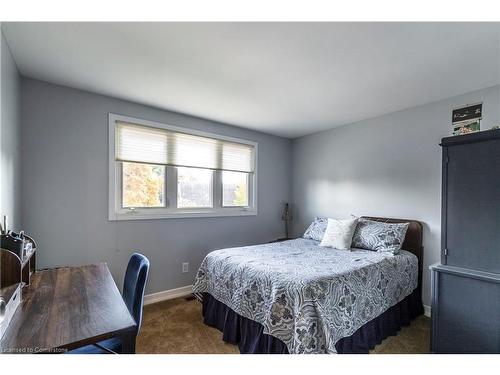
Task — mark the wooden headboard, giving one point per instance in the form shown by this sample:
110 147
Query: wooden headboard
412 243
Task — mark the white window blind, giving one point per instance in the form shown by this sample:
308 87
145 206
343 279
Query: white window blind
144 144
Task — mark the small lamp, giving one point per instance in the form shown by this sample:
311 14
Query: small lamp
286 216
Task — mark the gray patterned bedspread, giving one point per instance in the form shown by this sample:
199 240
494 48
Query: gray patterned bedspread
307 296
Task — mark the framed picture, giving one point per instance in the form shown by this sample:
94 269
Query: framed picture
467 113
466 127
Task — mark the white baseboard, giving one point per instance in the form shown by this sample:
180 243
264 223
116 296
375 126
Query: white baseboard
427 311
168 294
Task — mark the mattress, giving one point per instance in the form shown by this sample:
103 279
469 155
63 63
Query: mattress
307 296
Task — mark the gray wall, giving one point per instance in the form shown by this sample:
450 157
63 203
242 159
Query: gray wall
10 139
65 189
387 166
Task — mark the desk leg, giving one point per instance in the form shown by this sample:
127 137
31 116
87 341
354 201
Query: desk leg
128 343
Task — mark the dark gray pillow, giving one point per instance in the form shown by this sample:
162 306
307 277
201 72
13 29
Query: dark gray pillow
379 236
317 229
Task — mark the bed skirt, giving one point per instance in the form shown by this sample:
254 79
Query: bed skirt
250 338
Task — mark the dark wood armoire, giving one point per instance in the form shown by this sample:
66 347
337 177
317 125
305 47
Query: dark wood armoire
466 283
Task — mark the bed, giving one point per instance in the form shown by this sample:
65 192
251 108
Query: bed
297 297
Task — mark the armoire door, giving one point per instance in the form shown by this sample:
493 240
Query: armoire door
465 314
471 205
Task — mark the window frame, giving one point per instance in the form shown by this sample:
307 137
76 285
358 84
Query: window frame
170 211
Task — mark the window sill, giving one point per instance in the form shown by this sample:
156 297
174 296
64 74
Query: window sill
137 215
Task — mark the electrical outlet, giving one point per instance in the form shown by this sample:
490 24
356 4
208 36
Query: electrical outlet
185 267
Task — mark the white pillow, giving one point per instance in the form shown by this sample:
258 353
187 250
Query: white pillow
339 233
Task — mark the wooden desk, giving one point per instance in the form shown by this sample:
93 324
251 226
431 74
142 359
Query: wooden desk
66 308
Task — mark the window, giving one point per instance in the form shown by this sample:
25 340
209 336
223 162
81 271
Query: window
161 171
143 185
234 189
194 187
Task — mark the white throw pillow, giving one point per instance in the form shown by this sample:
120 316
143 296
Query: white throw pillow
339 233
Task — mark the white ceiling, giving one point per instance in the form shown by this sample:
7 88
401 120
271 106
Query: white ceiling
288 79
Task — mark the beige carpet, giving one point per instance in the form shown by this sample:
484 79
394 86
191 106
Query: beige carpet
176 327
